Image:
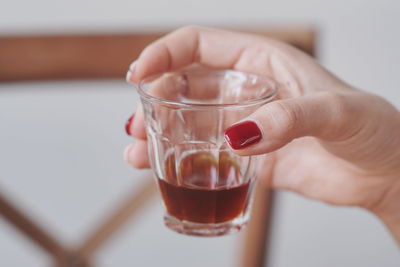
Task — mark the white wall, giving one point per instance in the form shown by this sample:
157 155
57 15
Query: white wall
57 145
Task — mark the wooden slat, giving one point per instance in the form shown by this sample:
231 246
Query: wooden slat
69 57
93 56
129 208
31 229
254 248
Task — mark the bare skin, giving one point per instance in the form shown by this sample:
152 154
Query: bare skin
342 144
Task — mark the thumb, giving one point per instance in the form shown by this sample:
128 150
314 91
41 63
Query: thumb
326 115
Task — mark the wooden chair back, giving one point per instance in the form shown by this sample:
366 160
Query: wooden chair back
104 56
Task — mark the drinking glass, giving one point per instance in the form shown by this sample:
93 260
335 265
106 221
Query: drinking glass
206 188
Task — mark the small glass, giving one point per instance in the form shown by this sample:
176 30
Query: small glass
206 188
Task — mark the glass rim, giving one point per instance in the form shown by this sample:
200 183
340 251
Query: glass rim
142 92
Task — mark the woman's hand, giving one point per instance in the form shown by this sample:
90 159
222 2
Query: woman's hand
326 140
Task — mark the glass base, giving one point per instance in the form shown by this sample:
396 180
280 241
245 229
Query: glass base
205 229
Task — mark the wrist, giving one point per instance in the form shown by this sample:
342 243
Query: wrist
388 210
389 206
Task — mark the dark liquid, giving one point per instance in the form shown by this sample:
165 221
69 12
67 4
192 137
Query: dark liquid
204 191
204 206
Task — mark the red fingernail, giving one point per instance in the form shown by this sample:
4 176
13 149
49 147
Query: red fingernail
128 124
243 134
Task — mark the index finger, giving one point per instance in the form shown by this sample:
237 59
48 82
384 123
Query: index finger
212 48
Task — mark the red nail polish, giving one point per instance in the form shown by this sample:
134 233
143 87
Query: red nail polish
128 124
243 134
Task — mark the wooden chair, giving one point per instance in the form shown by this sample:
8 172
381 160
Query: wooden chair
100 56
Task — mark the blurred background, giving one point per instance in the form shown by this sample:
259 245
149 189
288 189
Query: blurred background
61 142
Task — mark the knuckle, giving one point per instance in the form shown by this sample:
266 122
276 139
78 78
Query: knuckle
336 101
289 115
188 30
339 107
284 119
343 117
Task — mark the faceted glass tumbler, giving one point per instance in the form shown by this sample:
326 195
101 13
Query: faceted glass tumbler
206 188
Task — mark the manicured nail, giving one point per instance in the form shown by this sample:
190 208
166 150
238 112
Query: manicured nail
133 66
243 134
128 124
126 152
130 72
128 76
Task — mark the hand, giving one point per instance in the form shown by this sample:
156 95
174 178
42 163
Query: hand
325 139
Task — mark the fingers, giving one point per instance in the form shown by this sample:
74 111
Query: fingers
137 155
135 125
209 47
328 116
